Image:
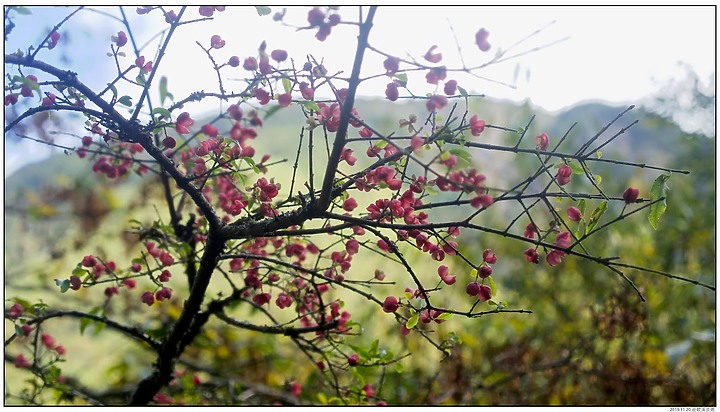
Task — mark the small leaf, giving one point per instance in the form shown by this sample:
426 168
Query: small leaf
599 154
461 153
263 10
658 191
121 54
401 78
78 271
287 84
63 284
125 101
163 112
32 85
493 287
598 179
576 168
374 347
412 322
140 79
163 89
462 91
84 323
473 272
445 316
408 295
581 206
364 353
358 376
311 106
596 215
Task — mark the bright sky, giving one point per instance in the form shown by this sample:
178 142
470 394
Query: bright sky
611 54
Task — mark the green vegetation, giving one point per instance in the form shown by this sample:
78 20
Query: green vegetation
589 340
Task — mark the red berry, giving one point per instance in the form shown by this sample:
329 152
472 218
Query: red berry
472 288
390 305
279 55
485 293
485 271
630 195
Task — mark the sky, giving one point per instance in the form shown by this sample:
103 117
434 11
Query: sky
619 55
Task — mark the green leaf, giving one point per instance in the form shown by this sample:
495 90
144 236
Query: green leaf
374 347
412 322
445 316
125 101
140 79
163 89
32 85
658 191
401 78
364 353
599 154
99 326
311 106
581 206
399 368
596 215
408 295
78 271
263 10
576 168
163 112
84 323
598 179
322 398
287 84
461 153
63 284
358 377
473 272
493 287
462 91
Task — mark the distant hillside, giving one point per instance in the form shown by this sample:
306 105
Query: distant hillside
284 127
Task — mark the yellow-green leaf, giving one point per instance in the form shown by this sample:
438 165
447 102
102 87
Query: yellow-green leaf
658 191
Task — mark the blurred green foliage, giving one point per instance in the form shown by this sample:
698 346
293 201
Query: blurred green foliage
590 340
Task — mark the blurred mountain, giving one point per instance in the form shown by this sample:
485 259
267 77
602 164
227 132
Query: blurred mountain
61 197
